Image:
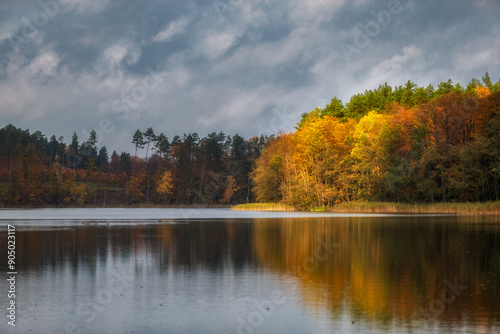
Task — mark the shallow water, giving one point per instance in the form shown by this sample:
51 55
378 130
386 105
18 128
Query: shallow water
319 274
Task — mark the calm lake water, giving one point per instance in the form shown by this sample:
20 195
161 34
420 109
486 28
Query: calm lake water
224 274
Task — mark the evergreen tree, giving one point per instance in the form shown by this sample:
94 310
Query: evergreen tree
138 141
102 158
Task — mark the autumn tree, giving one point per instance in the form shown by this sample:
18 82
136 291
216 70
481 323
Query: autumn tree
320 159
269 172
366 155
165 186
229 191
135 187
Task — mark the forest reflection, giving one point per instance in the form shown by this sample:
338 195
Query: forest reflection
391 269
383 270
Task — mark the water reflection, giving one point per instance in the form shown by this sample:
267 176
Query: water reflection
388 270
417 274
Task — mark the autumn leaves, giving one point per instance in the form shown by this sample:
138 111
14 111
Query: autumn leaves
445 149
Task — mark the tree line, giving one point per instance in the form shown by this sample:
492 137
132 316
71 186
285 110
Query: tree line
402 144
36 170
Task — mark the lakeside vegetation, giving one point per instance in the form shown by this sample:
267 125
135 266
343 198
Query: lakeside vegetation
406 144
263 207
478 208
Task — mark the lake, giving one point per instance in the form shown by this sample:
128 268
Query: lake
222 271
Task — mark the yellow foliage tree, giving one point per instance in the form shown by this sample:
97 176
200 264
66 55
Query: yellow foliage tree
81 193
482 91
321 149
165 185
366 153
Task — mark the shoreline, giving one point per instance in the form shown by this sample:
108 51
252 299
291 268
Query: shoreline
462 209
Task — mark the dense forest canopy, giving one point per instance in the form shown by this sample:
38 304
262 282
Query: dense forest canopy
215 169
406 143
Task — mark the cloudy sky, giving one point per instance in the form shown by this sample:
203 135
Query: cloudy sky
236 66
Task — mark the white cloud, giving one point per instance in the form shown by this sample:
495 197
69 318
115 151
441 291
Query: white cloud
215 44
174 28
410 60
115 53
477 54
43 65
113 56
33 88
300 43
40 68
231 111
474 60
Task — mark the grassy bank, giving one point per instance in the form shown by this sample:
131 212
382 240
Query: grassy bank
263 207
486 208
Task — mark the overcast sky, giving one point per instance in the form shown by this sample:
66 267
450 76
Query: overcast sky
246 67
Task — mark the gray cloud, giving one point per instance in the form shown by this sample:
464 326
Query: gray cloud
241 67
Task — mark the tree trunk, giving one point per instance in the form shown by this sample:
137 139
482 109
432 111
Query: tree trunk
135 158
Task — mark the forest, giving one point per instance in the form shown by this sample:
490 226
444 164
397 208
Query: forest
212 170
401 144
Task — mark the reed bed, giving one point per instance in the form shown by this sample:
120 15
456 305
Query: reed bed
482 208
264 207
